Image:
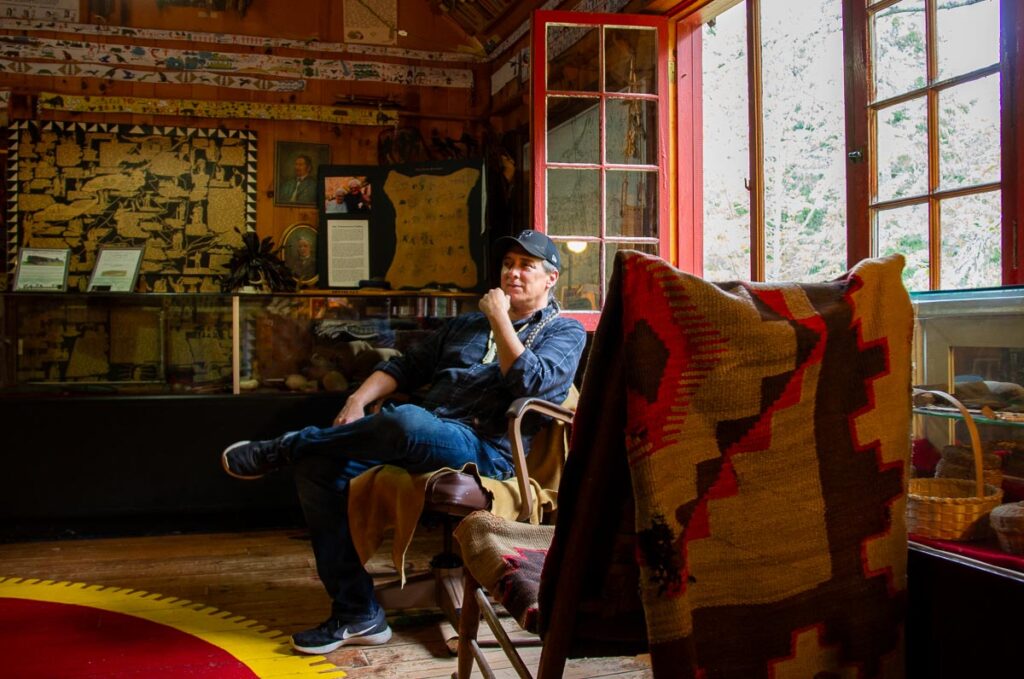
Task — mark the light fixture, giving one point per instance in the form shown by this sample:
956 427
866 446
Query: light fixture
576 246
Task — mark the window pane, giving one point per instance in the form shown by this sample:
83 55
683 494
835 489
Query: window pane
899 63
632 131
969 133
804 133
905 231
612 248
631 55
725 150
968 36
578 285
632 202
902 150
574 200
572 62
971 241
573 130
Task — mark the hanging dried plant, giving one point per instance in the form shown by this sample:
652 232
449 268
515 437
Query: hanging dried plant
258 264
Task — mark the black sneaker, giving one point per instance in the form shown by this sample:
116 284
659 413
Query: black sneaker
252 459
334 634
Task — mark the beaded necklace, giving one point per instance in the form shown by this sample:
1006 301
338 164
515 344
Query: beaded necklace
492 346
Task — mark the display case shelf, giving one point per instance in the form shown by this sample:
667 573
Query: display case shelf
970 344
952 414
82 344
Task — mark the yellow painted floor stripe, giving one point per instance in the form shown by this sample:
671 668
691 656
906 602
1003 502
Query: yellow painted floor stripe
265 652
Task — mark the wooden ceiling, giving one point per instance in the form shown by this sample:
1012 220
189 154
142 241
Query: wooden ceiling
486 22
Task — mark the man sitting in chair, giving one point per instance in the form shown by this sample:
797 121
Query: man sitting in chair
472 368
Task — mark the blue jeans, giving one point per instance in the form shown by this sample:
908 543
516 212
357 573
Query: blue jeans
326 459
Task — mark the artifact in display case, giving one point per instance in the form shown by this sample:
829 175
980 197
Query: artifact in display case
96 343
76 343
970 344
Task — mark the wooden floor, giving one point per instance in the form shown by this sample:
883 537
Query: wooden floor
270 577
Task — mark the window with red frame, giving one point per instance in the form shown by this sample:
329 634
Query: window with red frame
600 140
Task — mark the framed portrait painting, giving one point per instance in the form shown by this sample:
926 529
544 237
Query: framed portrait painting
295 172
299 245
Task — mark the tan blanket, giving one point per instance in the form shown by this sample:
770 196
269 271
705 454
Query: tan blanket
388 498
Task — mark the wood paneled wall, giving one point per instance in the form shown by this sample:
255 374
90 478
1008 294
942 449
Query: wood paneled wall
451 111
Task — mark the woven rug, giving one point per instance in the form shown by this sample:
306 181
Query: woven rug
71 630
767 432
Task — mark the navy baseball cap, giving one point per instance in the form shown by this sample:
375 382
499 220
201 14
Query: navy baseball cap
534 242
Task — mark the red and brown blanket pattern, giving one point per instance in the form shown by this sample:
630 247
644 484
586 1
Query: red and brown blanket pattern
767 438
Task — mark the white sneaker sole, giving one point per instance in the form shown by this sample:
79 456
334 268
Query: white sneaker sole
382 637
224 462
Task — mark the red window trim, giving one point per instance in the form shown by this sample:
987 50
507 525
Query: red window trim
1012 110
690 155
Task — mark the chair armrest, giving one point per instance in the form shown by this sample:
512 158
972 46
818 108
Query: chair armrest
515 413
521 406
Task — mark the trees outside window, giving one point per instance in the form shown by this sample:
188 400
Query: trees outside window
934 144
808 134
773 149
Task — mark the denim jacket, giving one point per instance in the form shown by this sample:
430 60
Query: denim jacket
459 386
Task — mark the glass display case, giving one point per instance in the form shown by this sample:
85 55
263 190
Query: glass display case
155 344
970 343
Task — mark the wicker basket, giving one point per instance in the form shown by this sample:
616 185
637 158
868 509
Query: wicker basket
1008 523
946 470
953 509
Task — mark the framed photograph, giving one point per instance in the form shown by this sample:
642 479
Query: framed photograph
42 270
299 244
116 270
295 172
346 258
347 194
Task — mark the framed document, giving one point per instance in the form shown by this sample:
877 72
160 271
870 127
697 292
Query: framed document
42 270
347 248
116 270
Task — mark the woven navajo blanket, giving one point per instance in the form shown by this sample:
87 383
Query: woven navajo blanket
766 431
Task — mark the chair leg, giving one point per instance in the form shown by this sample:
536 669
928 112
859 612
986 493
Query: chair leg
506 643
552 663
469 625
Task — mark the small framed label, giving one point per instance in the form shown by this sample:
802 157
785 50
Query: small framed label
42 270
116 270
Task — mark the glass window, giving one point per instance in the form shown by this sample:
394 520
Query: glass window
601 185
726 146
971 252
774 186
967 35
968 149
902 150
804 139
900 62
936 141
904 230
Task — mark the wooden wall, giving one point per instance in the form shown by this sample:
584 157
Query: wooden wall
450 111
